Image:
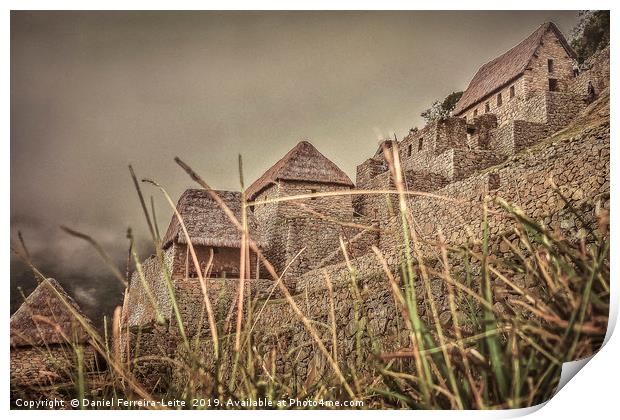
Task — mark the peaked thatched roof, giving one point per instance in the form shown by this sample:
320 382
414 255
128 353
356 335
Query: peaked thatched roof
206 222
507 67
38 320
302 163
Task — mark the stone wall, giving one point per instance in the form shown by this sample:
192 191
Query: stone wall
465 162
562 108
481 131
442 152
159 342
223 296
308 241
419 147
358 240
266 213
288 226
334 206
451 133
139 309
424 181
548 112
514 99
594 71
280 332
423 160
517 135
522 180
538 74
428 155
377 206
368 170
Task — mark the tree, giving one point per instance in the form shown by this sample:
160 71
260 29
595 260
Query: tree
591 34
442 109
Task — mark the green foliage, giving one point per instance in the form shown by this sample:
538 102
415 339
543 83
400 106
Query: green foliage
442 109
591 34
451 100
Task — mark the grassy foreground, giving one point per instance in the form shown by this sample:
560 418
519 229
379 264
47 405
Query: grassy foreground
488 357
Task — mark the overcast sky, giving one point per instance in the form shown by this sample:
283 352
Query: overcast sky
92 92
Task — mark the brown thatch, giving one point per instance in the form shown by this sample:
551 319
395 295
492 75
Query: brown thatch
43 318
302 163
206 222
507 67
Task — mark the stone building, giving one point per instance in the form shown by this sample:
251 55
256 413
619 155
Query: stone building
46 338
505 86
519 98
311 223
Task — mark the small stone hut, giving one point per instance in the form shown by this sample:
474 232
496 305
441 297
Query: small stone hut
210 231
288 226
46 337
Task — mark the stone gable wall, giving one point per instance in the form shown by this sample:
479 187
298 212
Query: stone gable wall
537 74
291 225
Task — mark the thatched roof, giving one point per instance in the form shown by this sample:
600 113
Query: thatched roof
43 318
507 67
206 222
302 163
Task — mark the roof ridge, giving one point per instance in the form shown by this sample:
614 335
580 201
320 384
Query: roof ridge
278 170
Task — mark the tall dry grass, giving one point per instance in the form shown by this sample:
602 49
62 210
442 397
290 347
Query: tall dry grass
488 357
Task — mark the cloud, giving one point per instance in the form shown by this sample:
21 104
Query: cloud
73 262
87 296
